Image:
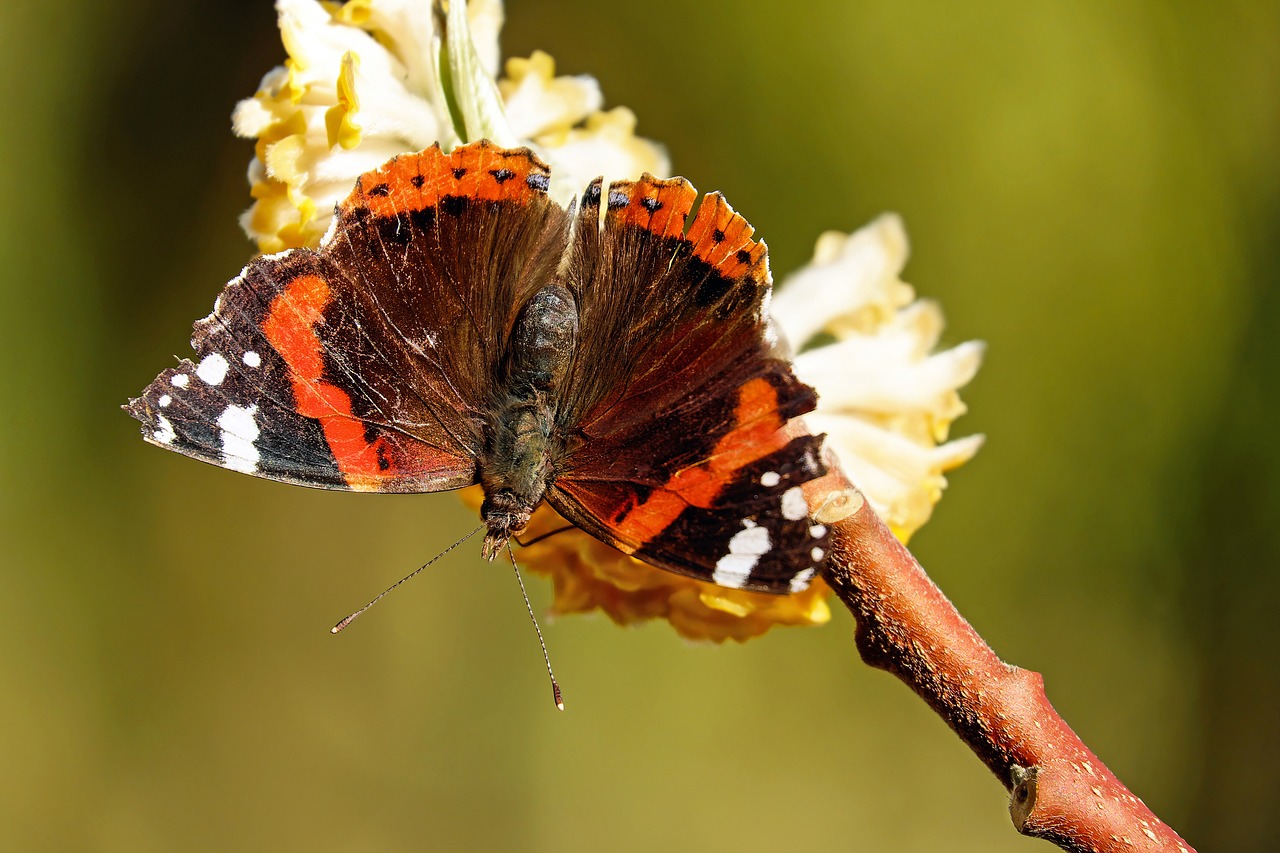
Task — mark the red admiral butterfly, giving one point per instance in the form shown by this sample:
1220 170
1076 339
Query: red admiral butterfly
456 326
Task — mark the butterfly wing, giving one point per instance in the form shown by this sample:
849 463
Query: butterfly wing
677 403
367 365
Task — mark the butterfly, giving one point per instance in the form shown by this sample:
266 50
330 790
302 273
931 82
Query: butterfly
458 326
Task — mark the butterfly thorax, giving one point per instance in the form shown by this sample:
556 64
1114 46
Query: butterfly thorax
520 445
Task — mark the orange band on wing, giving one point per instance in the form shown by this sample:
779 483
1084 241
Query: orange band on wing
757 433
418 181
722 238
290 328
660 207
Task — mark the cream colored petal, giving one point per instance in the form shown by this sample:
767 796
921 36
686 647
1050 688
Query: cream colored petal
860 374
404 28
316 43
857 273
606 146
345 166
390 111
252 116
901 478
538 102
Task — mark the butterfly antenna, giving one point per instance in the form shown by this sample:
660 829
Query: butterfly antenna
555 688
347 621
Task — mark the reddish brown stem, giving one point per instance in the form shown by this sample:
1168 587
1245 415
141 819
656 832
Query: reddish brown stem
1059 790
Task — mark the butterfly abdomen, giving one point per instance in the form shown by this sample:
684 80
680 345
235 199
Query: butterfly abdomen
520 441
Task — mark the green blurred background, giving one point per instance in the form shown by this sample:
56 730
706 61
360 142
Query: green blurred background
1091 187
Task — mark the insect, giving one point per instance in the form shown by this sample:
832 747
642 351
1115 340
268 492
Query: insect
457 326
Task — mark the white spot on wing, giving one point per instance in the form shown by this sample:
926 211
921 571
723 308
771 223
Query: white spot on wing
818 531
180 380
239 432
769 479
817 554
800 582
212 369
251 358
794 506
165 434
164 400
745 549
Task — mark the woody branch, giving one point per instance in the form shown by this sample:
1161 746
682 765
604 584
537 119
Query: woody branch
1059 790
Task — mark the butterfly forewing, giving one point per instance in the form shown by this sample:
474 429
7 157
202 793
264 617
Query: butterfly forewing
369 364
678 400
214 407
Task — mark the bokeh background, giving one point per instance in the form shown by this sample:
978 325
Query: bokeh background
1092 188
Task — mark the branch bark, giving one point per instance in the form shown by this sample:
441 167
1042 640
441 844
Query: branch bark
1059 790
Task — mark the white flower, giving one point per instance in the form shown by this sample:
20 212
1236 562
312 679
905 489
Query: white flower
885 399
374 78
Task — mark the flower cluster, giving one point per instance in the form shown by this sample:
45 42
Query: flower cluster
887 400
370 79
